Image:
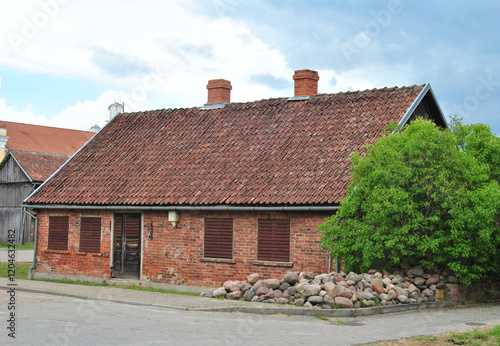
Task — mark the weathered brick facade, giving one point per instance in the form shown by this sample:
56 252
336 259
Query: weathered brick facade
175 255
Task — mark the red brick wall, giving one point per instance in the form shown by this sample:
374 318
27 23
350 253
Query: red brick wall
73 262
175 255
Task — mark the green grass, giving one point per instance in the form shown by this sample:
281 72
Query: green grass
476 336
21 270
130 287
27 246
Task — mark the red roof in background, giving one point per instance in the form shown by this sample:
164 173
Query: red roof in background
269 152
44 139
38 166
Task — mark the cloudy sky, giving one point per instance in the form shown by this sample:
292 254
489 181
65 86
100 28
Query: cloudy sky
63 62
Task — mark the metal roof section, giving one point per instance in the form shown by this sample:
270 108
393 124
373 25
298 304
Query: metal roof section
216 106
427 89
298 98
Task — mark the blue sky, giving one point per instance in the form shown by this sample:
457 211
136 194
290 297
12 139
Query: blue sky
63 62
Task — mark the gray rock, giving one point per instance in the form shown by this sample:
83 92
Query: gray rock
316 281
350 282
368 303
419 281
309 276
231 286
354 277
278 293
262 291
220 292
413 295
431 298
344 302
329 300
357 305
248 295
368 296
433 288
308 305
428 292
281 300
403 299
384 296
315 300
298 302
331 289
291 278
284 286
413 301
332 279
271 283
291 290
245 287
311 290
256 299
368 277
418 271
253 278
452 279
392 294
300 287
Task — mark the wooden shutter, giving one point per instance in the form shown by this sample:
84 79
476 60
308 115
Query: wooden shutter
219 238
90 234
274 240
58 233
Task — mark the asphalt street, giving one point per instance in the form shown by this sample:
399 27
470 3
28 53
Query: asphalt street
43 319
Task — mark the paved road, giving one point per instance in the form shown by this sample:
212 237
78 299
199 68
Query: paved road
43 319
21 255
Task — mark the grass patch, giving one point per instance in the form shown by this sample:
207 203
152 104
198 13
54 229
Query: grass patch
321 317
27 246
21 270
486 335
129 287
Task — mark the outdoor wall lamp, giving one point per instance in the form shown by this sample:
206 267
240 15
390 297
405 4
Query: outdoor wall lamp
151 230
173 217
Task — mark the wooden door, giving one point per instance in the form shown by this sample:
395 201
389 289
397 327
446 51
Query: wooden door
127 255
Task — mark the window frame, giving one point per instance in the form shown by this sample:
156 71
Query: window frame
271 231
58 236
220 235
88 239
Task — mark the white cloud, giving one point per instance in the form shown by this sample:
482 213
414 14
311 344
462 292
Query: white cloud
81 116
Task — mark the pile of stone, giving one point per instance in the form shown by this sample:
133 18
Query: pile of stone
340 290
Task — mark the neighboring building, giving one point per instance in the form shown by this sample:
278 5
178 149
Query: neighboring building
200 195
29 154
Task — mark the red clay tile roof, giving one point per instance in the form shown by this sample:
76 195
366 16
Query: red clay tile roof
38 166
269 152
44 139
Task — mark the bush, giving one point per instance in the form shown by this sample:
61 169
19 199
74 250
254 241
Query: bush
425 196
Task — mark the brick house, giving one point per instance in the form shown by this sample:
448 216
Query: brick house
29 154
200 195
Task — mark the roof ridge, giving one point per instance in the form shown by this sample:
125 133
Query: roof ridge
37 152
2 122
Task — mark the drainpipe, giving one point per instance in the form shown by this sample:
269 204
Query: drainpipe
30 274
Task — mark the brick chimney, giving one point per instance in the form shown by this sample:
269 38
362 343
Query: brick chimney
219 90
306 82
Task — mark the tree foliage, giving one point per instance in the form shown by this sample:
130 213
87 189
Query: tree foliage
425 196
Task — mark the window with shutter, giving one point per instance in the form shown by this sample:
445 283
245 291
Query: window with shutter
219 238
58 233
274 240
90 234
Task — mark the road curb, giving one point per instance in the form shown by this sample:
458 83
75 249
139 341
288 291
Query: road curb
271 310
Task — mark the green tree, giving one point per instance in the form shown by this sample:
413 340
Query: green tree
425 196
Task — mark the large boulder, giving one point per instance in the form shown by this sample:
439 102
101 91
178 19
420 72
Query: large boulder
315 300
344 302
331 289
344 292
235 295
354 277
271 283
291 278
311 290
253 278
378 285
220 292
248 295
232 286
262 291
